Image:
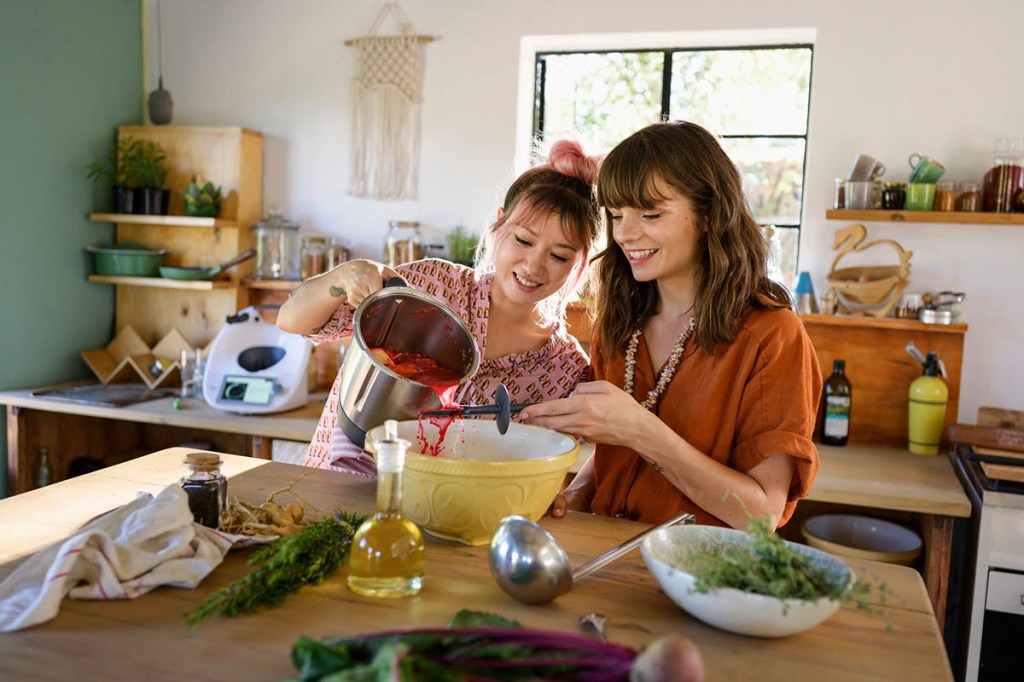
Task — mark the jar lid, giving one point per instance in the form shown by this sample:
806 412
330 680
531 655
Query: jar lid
404 223
314 239
895 185
202 461
275 220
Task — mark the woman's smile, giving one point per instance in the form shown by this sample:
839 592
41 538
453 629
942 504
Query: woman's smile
639 256
526 283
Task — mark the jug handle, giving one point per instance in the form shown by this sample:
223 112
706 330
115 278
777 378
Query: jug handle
396 282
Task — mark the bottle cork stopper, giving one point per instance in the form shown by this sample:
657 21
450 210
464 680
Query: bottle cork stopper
203 461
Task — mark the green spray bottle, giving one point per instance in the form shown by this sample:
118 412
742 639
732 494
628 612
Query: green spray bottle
927 409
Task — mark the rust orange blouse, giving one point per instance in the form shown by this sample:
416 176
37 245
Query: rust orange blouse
751 398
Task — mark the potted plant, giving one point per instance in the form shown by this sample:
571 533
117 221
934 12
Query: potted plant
114 169
202 198
462 246
146 170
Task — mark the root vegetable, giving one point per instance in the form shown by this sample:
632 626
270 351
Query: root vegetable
669 659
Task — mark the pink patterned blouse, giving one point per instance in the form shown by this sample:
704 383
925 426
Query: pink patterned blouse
551 372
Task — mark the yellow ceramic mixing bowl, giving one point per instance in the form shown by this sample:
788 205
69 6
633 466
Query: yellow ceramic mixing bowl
480 476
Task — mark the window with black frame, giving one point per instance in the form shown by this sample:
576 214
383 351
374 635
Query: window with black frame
756 99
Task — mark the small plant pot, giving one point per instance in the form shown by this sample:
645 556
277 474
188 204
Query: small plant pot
154 201
125 199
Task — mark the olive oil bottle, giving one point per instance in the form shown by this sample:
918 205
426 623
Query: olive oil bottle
837 399
387 551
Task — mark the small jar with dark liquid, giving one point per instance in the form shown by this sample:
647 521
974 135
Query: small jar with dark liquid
387 551
206 486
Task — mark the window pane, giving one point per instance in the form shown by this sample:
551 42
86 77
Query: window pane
772 171
743 92
784 243
602 97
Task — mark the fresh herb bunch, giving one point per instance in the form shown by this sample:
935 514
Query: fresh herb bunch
305 558
767 565
475 646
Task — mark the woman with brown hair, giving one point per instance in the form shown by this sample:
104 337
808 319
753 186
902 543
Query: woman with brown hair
706 382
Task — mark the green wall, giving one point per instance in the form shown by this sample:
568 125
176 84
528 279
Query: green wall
70 73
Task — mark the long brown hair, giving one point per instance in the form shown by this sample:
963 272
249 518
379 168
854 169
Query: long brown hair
733 252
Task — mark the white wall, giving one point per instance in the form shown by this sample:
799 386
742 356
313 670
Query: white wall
890 78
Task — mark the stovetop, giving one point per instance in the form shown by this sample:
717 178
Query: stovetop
991 491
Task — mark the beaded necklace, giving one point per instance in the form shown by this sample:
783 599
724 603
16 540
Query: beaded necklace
666 374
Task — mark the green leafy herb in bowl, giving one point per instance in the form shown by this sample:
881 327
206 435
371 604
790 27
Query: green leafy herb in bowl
752 583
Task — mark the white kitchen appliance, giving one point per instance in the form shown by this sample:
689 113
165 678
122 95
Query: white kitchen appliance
255 368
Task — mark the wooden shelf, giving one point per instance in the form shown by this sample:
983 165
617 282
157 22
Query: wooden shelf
890 323
171 220
271 284
164 283
957 217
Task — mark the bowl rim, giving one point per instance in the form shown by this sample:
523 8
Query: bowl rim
903 557
413 455
809 525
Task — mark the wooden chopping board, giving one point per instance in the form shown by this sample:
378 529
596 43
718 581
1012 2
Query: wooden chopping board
996 428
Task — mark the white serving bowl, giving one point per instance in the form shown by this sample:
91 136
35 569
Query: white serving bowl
667 553
863 537
479 476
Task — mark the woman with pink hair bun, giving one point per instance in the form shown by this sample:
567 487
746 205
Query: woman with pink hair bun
530 262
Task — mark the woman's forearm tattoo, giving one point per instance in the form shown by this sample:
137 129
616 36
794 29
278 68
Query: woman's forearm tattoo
336 292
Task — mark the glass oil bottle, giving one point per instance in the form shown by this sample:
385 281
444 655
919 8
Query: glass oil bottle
387 550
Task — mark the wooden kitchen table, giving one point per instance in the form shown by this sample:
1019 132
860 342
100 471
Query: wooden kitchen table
146 638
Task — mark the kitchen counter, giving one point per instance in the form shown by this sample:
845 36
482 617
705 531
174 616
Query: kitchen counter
885 477
195 413
113 434
146 638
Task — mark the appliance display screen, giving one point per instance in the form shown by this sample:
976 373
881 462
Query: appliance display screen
247 390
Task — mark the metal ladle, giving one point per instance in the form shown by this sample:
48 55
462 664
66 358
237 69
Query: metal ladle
529 564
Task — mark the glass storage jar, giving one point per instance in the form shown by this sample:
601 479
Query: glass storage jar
945 196
338 253
206 487
277 252
313 256
968 198
403 243
1006 177
894 196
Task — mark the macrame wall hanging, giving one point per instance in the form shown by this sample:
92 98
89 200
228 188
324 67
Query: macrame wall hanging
386 95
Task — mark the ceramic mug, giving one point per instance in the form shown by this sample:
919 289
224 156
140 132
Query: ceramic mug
924 169
920 196
865 168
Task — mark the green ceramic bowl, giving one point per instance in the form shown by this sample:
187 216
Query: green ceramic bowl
128 259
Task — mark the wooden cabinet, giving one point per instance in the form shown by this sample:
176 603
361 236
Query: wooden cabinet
881 370
229 157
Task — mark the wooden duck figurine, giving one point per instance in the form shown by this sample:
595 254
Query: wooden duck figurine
869 290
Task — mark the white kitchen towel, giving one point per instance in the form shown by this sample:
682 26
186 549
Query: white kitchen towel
125 553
